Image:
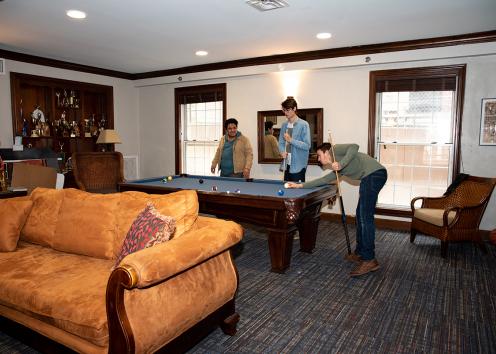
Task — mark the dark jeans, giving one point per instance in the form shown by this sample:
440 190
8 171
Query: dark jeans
294 177
370 186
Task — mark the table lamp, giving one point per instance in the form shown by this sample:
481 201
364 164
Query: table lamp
107 137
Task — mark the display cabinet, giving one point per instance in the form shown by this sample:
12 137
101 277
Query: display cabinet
63 115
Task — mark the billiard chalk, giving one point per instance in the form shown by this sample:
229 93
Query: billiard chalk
280 192
200 181
286 185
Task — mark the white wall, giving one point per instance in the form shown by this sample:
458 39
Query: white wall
340 86
125 102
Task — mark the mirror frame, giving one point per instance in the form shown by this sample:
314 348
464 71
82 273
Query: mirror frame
301 112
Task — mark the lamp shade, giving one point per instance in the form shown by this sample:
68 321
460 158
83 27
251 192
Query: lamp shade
108 136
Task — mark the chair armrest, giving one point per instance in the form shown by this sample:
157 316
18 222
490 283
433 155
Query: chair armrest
431 202
208 238
466 216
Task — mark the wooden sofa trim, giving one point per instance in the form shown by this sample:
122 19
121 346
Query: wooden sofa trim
120 332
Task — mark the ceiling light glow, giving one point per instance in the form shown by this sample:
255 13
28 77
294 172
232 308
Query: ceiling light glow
201 53
323 35
76 14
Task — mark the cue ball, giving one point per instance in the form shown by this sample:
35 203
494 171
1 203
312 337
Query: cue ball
286 185
169 178
200 181
214 188
280 192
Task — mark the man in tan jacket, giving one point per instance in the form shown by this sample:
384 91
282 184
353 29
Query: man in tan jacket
234 155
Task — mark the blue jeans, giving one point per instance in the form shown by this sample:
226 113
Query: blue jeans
370 186
295 177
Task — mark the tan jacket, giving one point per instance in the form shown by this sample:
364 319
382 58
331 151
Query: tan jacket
271 147
242 154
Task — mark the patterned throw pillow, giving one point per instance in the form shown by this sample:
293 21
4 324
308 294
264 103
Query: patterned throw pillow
148 229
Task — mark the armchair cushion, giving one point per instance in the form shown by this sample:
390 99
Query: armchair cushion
148 229
13 214
433 216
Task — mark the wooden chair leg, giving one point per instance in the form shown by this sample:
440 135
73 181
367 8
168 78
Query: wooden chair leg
444 249
228 326
413 233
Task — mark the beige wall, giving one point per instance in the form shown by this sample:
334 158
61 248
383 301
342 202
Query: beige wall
125 102
144 109
340 86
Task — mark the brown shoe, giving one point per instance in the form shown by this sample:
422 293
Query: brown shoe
365 267
353 257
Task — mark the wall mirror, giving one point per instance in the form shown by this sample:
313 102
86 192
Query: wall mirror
314 117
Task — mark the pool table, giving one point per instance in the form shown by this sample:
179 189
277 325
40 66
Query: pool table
254 201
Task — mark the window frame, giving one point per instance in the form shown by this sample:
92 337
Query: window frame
448 71
180 92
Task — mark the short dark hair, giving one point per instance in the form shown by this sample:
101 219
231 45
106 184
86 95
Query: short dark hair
269 124
230 121
289 103
323 147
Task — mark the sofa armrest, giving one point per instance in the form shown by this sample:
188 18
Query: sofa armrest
207 238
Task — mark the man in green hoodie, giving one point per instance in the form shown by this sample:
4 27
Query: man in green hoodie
372 176
234 155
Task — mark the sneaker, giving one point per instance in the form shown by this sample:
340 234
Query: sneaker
365 267
353 257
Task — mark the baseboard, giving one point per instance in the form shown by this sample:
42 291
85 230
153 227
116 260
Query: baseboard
380 223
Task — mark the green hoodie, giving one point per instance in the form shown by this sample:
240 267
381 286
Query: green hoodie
355 165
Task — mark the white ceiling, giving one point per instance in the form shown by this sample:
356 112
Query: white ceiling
147 35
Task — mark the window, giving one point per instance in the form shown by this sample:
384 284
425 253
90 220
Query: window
200 114
414 132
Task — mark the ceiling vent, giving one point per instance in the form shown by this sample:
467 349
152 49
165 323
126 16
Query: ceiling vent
2 66
266 5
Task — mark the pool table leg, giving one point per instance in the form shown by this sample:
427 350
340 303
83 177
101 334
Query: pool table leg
308 227
280 248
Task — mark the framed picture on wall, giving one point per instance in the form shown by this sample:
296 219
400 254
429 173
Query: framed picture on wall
488 122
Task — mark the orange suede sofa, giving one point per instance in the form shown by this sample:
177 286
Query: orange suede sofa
60 282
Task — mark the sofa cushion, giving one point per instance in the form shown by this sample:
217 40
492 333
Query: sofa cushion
13 214
87 224
148 229
182 206
42 220
62 289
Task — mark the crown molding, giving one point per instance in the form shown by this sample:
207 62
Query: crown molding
60 64
470 38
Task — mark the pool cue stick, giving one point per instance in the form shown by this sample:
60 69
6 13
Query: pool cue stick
341 205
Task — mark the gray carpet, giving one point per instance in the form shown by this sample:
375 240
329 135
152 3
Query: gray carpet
416 303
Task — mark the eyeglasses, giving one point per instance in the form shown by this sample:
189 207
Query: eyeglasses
286 110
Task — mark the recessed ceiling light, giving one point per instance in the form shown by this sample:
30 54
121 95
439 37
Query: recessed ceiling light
323 35
201 53
76 14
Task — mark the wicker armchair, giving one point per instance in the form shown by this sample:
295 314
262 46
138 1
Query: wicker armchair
455 217
98 172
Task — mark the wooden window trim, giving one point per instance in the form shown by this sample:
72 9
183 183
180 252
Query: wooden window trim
448 71
191 90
